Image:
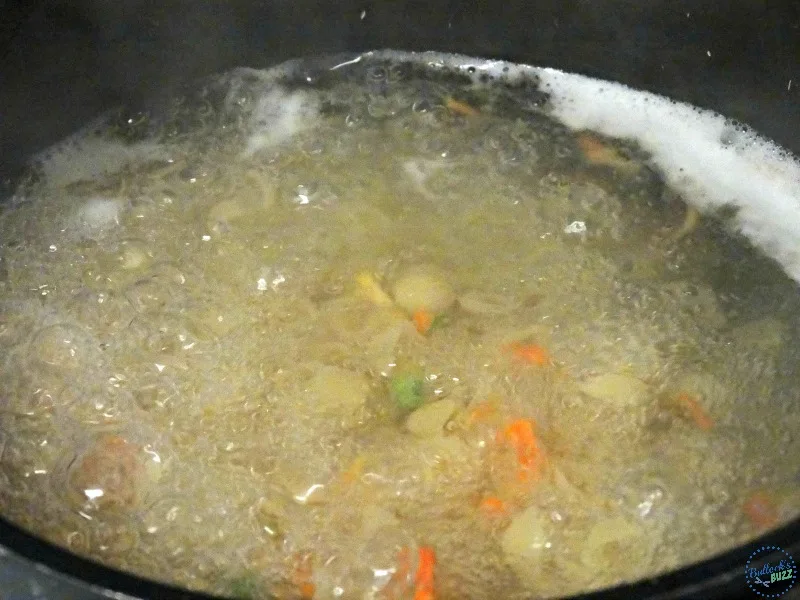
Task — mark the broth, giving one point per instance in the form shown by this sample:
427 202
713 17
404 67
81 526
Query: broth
326 332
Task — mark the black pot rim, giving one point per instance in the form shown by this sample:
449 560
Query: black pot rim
720 576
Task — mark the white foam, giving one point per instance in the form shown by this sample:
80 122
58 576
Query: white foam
96 215
83 156
711 163
279 114
700 154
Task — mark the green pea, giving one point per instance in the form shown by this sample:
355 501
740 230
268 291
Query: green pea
407 390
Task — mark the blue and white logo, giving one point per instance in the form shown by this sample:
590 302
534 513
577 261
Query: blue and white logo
770 571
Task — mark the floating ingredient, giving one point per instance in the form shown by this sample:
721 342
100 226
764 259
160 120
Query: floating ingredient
424 578
421 288
407 390
616 389
429 420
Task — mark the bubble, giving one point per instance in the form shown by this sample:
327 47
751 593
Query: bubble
379 78
353 119
26 395
163 515
154 395
78 541
377 73
272 513
114 539
61 347
384 107
96 403
133 254
149 295
101 311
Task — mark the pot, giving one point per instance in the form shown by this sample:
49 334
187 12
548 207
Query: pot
66 62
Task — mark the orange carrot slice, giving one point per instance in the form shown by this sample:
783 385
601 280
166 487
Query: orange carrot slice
423 580
692 408
423 320
307 590
461 108
529 353
302 573
483 411
493 506
761 510
353 472
598 152
520 435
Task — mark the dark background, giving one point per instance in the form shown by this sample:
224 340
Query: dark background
63 61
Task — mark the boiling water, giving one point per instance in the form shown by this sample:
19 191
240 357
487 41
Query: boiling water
283 334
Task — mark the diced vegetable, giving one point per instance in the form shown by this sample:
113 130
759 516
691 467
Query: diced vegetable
492 506
606 541
525 540
423 580
423 320
356 468
598 152
692 409
429 420
483 412
530 457
339 393
461 108
381 349
529 353
761 510
109 476
690 223
425 289
484 303
407 390
691 395
440 320
617 389
307 590
271 513
372 290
